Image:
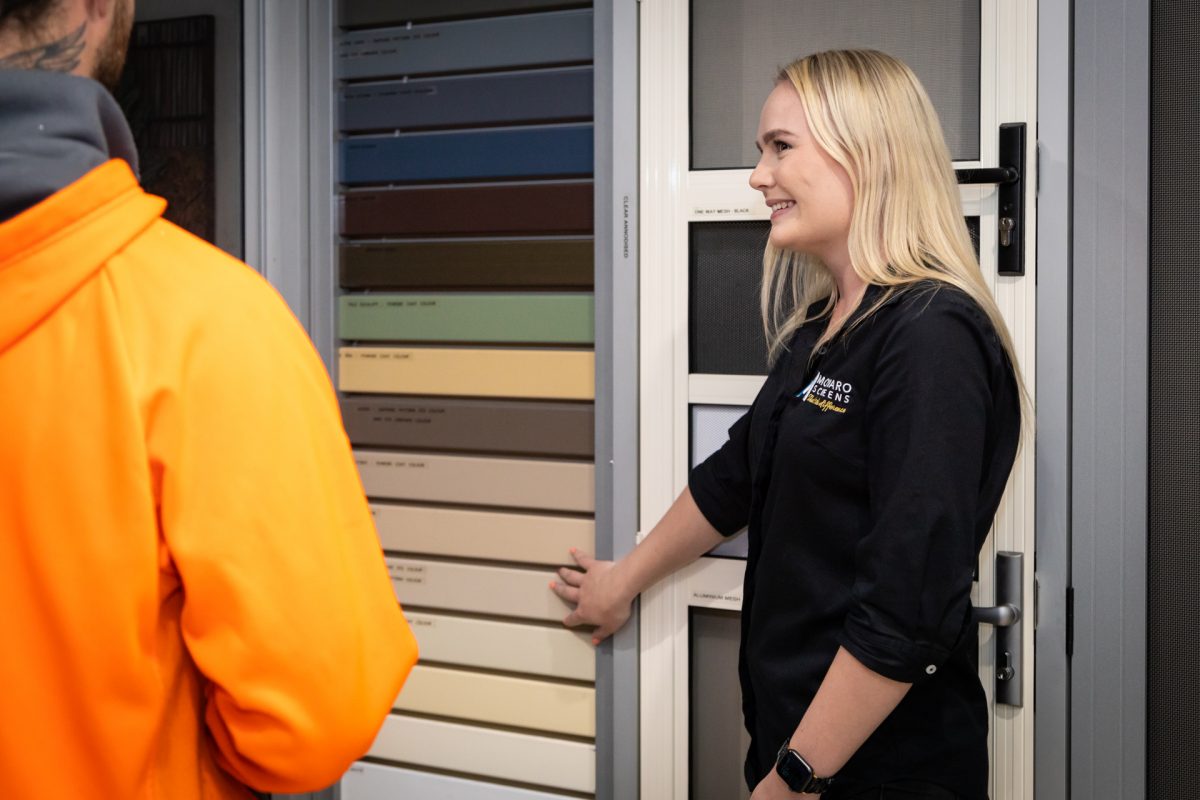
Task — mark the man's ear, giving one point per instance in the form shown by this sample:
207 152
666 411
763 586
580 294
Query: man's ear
99 9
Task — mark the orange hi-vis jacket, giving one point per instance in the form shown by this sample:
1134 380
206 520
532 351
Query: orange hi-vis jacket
192 596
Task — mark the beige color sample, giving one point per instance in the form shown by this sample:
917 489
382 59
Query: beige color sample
492 535
469 372
502 591
509 646
500 700
539 760
478 480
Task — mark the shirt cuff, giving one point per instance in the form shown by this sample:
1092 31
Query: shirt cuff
728 515
891 656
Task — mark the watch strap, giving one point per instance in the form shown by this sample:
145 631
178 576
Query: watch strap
797 773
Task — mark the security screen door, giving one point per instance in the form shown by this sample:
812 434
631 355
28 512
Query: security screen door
706 67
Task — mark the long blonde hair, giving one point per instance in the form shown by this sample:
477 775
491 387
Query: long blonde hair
869 112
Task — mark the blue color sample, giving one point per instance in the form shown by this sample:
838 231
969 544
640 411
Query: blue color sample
564 150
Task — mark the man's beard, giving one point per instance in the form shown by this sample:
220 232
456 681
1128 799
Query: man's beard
110 59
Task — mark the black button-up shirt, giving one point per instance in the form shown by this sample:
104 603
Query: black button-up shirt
869 471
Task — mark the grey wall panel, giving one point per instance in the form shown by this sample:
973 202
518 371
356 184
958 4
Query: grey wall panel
509 153
471 264
509 209
1110 346
484 426
503 482
366 781
559 37
361 13
543 95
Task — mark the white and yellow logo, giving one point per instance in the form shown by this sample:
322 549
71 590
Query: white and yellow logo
828 394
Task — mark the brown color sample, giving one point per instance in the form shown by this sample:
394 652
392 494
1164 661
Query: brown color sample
512 263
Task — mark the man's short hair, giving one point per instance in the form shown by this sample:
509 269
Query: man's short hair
24 13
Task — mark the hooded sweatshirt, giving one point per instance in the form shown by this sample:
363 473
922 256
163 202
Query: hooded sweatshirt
194 600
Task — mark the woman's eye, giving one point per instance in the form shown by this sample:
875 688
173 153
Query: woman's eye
781 146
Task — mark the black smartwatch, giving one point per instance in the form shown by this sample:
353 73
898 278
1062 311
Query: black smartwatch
797 773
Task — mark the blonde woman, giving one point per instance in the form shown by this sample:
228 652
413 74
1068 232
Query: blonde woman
871 463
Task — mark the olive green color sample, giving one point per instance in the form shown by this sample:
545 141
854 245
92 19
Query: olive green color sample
461 317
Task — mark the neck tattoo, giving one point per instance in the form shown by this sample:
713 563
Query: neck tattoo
61 55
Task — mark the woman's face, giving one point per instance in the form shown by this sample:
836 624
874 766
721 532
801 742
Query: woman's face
809 193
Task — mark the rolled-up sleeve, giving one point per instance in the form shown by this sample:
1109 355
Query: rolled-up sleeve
720 484
926 432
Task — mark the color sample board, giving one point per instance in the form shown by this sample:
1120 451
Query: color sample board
484 426
506 153
504 755
559 37
501 591
361 13
495 263
486 535
540 318
501 209
366 781
500 700
468 372
550 649
543 95
504 482
514 427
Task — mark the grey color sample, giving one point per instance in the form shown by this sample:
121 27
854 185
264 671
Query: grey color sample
1110 343
717 737
1053 432
544 95
361 13
559 37
484 426
616 215
737 49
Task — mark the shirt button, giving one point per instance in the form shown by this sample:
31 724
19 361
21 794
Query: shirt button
930 669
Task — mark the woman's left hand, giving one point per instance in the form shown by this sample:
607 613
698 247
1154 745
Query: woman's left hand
772 787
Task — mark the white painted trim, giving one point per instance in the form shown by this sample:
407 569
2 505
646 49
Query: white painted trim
724 390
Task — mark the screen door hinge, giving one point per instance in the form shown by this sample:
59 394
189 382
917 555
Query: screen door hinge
1070 620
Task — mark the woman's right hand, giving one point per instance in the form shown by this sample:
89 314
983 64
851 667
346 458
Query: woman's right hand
597 592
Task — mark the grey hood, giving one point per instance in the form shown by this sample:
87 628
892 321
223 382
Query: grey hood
54 129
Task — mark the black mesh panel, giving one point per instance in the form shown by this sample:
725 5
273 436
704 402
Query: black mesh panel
725 335
1173 578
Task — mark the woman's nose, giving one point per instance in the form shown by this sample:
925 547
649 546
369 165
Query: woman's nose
760 178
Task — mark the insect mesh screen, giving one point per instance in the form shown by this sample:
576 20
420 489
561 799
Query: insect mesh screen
725 333
737 48
1173 657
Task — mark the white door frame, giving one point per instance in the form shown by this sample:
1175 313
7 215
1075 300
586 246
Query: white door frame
673 196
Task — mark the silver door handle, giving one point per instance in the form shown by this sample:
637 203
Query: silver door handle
1002 616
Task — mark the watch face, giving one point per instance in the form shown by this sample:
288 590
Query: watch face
794 770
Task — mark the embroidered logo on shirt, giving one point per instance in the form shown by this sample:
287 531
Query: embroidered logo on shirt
828 394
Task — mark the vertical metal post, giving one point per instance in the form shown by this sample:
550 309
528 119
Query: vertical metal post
1052 565
616 281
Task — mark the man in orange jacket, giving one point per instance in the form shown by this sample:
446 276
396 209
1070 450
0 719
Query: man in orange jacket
192 598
